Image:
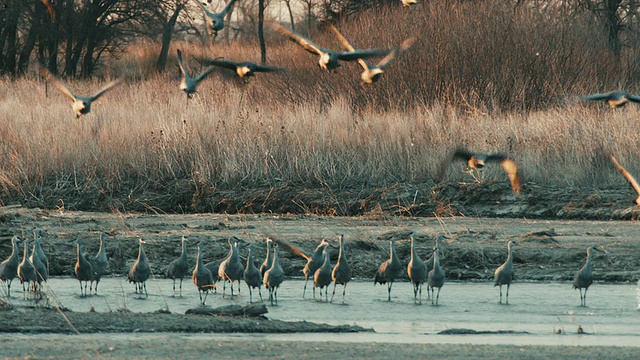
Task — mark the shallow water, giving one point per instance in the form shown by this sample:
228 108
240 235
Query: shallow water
612 315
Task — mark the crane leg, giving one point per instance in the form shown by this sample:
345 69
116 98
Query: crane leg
344 291
334 291
508 286
500 293
305 287
585 297
420 290
438 296
389 291
260 293
250 295
180 287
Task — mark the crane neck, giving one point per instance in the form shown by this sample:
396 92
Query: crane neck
327 259
342 254
14 249
249 257
588 262
78 251
413 249
509 254
184 249
141 255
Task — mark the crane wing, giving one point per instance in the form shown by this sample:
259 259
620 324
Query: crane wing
305 43
106 88
57 83
628 176
509 166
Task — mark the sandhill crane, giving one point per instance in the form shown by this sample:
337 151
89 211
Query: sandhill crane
505 273
37 236
82 269
243 69
390 269
584 277
231 269
214 266
408 3
322 276
26 270
179 267
202 277
416 270
81 104
140 271
189 84
429 262
341 273
435 278
42 274
100 262
372 73
328 59
615 99
9 267
314 261
216 20
252 276
629 177
266 264
274 277
477 161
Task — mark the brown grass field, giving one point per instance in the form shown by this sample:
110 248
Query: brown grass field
480 76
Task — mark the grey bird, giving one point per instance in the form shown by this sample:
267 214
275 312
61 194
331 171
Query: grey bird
505 273
82 269
242 69
274 277
42 273
140 271
179 267
322 276
584 277
341 273
188 83
202 277
629 177
100 262
477 161
216 20
37 236
417 271
231 269
435 277
81 104
328 59
389 270
266 264
9 267
615 99
26 270
372 73
314 261
429 262
252 276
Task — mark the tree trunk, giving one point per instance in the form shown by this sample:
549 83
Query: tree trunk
10 37
263 45
613 26
166 38
293 24
32 36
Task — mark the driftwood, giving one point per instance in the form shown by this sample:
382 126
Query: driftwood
252 310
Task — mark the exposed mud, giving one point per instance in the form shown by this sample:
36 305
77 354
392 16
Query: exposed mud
549 250
492 198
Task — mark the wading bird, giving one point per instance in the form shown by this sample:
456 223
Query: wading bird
341 273
81 104
82 269
417 271
140 271
407 3
584 277
435 278
274 277
314 261
372 73
242 69
252 276
615 99
202 277
328 59
9 267
189 84
179 267
322 276
100 262
216 20
505 273
390 269
477 161
266 264
629 177
231 269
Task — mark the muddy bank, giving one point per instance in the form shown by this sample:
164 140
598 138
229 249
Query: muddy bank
549 250
50 320
492 198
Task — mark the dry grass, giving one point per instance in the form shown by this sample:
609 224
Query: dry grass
309 129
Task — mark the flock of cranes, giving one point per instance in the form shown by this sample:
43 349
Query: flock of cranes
32 271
